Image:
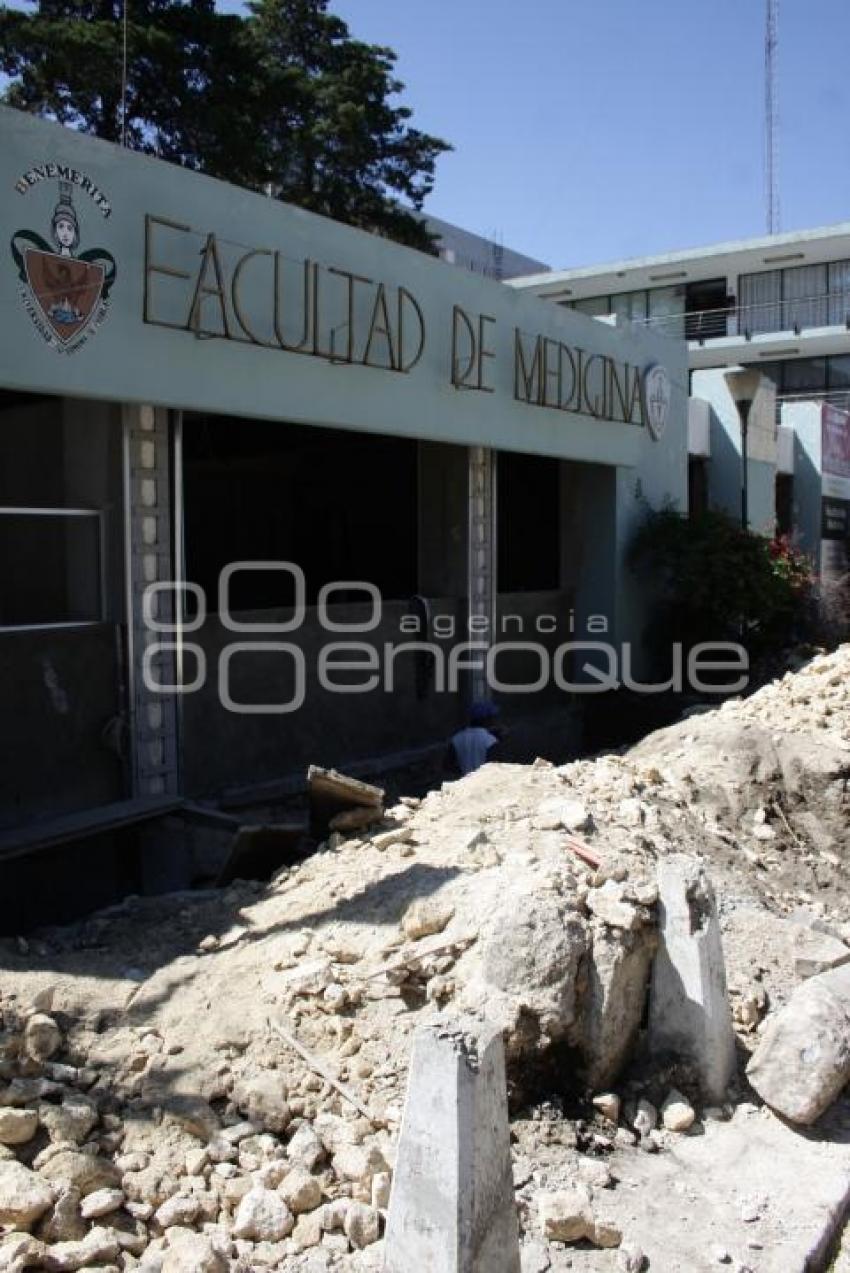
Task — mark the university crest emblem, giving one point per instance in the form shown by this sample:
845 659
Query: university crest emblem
65 291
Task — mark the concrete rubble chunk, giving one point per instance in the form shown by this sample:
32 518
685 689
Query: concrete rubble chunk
802 1061
452 1204
425 917
17 1126
24 1196
690 1014
815 952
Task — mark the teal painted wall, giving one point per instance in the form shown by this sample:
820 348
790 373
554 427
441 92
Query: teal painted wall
127 359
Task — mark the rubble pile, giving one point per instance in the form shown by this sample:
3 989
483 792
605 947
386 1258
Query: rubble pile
214 1081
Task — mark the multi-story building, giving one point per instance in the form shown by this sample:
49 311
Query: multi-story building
780 304
479 254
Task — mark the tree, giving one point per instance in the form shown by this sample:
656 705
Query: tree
282 99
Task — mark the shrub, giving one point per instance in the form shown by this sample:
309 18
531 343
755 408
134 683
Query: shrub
718 582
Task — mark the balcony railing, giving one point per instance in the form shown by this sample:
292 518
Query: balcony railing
830 309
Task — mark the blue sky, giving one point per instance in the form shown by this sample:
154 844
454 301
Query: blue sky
589 130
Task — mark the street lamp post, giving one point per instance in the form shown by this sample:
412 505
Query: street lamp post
743 386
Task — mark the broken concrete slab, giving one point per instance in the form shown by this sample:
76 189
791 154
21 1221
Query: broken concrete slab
772 1198
802 1061
452 1204
689 1012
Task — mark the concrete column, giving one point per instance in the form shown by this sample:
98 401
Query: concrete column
483 582
452 1207
149 559
689 1013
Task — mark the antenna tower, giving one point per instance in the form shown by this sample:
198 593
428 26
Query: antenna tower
771 118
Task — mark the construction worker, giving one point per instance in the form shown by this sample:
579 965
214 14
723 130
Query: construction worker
470 748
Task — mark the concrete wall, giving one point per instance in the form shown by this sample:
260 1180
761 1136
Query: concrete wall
804 418
226 749
724 471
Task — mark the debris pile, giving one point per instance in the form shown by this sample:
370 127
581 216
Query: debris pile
214 1081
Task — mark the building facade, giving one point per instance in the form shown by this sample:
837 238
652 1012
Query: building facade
270 486
779 304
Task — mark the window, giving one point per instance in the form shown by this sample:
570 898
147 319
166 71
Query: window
760 301
667 310
804 294
52 566
839 292
804 375
629 307
60 511
594 306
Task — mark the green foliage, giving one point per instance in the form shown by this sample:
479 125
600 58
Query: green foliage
718 582
282 99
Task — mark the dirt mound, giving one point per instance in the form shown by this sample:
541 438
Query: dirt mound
213 1044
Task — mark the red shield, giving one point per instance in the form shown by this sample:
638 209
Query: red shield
67 290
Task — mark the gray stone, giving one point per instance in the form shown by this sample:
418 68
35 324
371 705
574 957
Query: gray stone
42 1037
24 1196
613 1003
98 1247
263 1216
452 1206
362 1225
82 1171
192 1253
17 1126
815 952
262 1099
689 1013
803 1058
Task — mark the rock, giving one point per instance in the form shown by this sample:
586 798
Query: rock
195 1115
528 956
24 1196
99 1246
65 1222
305 1148
646 1118
802 1061
572 815
262 1099
815 952
631 1259
192 1253
381 1188
607 904
42 1037
300 1191
85 1172
613 1004
426 917
17 1126
101 1203
566 1215
608 1104
263 1216
358 1162
73 1120
20 1251
362 1225
677 1114
177 1210
534 1258
308 1231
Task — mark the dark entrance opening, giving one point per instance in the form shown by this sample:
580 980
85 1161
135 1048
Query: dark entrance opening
528 511
342 506
706 309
